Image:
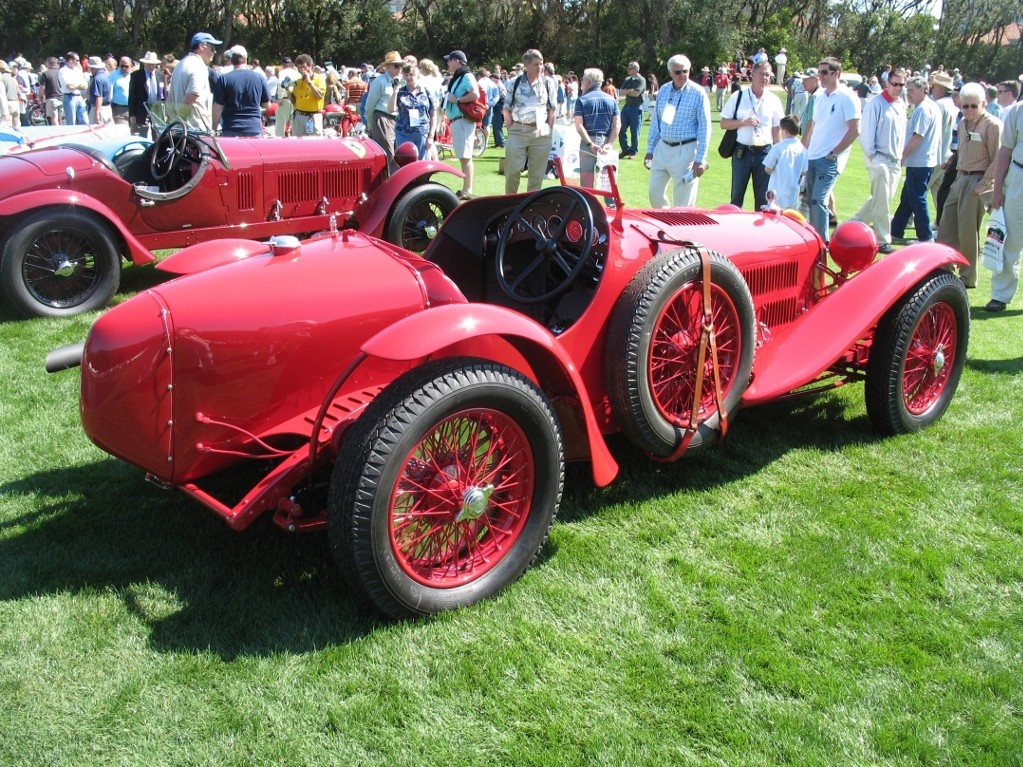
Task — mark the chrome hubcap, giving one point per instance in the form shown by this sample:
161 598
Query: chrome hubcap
65 268
475 503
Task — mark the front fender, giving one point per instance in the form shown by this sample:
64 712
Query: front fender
371 214
422 334
209 254
21 204
820 337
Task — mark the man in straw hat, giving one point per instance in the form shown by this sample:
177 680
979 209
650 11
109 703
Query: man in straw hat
145 89
100 92
378 101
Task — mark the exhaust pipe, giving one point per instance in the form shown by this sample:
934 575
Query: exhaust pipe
65 357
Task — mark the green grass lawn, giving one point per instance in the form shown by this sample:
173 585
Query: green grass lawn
806 593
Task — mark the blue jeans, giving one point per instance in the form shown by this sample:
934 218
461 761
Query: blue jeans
913 201
821 176
751 164
416 137
498 123
75 111
631 119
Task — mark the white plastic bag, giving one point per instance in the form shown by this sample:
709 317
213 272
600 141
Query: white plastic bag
992 254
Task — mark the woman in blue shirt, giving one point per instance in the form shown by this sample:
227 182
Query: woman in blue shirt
415 109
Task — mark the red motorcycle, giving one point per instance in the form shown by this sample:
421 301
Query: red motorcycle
344 119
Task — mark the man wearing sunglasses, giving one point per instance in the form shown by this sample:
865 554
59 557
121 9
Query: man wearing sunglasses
979 137
678 138
833 129
883 137
920 157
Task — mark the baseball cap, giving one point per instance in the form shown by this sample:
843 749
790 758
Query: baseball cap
287 60
238 50
456 55
205 37
811 72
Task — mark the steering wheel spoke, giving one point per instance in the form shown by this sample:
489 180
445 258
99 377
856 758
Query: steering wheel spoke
551 248
171 146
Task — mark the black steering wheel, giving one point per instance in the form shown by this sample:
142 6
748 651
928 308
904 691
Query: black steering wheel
168 148
563 242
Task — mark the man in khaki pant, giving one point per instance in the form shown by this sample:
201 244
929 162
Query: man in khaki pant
980 135
529 116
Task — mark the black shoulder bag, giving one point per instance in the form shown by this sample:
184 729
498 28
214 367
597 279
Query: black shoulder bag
727 146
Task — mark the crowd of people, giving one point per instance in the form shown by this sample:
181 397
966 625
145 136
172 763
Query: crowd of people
954 145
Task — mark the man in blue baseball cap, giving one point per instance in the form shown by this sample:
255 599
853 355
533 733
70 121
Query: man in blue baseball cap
190 93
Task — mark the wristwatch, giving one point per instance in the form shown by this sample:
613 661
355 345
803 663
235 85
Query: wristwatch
831 156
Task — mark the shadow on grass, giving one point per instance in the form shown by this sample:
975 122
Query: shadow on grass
199 586
195 583
756 438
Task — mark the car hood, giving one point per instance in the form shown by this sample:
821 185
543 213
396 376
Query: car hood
307 151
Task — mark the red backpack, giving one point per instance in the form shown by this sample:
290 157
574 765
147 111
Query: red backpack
474 110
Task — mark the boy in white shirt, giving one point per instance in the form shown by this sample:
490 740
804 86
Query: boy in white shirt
786 164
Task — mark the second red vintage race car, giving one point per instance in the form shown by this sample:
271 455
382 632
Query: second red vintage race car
421 409
70 213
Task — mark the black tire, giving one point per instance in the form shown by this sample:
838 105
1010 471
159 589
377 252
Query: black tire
412 525
479 142
59 262
661 311
917 356
418 214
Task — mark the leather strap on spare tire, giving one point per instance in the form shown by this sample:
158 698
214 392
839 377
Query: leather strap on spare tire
679 352
708 340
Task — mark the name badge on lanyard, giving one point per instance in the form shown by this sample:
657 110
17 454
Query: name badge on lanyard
668 115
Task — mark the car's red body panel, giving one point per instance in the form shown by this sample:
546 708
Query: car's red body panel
269 186
282 355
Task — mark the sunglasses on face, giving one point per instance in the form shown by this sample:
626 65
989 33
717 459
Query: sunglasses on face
679 71
970 106
896 85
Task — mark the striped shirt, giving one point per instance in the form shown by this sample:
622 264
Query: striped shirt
691 118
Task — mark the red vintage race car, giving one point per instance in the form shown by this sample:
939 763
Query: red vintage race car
421 408
70 213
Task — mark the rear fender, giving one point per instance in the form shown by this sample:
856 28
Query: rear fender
30 202
209 254
371 214
820 337
460 325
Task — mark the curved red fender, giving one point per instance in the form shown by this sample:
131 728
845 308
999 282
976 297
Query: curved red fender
206 255
22 203
811 345
371 215
424 333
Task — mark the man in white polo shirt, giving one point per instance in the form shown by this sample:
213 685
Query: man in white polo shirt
827 138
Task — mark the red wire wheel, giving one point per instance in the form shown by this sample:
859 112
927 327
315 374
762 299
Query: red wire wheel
462 498
675 352
653 345
917 355
446 487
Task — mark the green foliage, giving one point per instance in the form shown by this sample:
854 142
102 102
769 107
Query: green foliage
866 34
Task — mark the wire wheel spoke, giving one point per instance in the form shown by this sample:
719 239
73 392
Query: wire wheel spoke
675 352
462 498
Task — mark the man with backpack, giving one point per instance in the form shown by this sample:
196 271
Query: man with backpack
462 89
529 112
